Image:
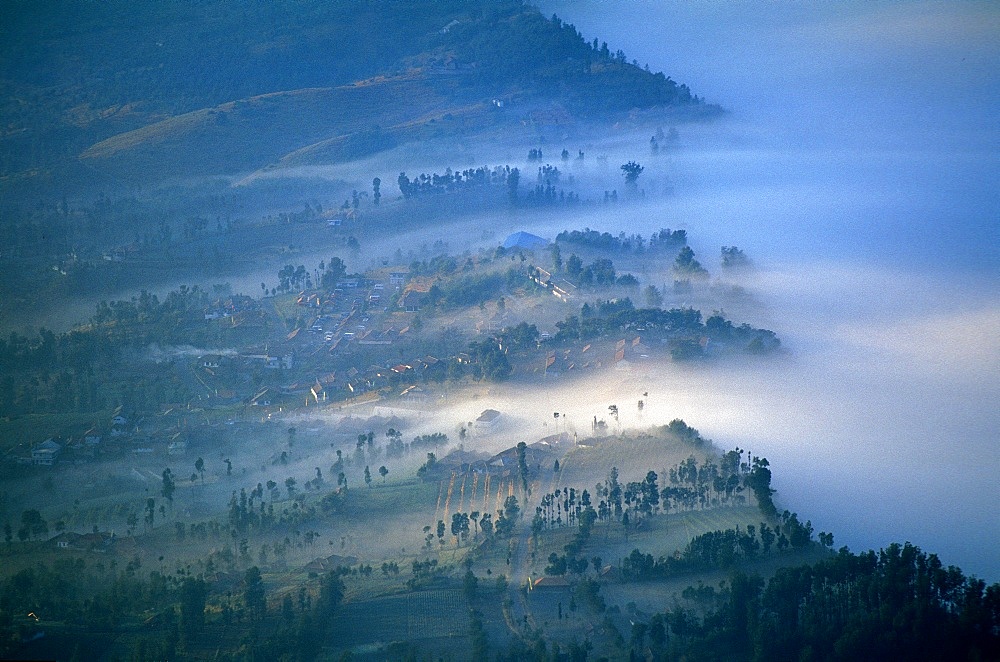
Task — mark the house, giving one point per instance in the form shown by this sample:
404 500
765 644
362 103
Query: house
458 461
524 241
412 301
488 420
91 438
398 278
262 399
210 361
279 363
318 392
414 395
538 457
46 453
87 542
177 447
66 540
95 542
329 563
119 424
557 581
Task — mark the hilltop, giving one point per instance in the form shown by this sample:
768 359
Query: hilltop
116 88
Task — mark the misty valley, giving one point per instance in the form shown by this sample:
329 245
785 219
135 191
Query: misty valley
380 331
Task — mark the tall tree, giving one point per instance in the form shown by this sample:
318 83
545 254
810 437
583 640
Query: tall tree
193 594
254 596
631 172
522 465
168 487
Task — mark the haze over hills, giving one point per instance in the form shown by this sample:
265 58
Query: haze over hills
222 87
386 331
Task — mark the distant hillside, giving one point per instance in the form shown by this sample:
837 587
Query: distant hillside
224 86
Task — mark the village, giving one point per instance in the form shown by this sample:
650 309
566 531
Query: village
360 340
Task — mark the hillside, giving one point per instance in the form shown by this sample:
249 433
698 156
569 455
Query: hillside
170 89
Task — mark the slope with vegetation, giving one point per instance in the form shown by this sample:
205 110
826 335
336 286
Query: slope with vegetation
221 86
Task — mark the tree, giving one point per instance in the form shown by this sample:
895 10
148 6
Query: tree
199 466
382 471
491 360
759 480
522 465
460 526
334 272
331 594
513 179
254 596
653 297
631 172
33 524
686 265
376 192
733 258
193 594
168 487
557 262
368 476
574 266
150 511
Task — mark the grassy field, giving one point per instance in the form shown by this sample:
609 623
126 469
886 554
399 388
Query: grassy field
634 457
434 620
218 139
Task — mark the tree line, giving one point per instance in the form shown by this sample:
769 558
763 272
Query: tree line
899 603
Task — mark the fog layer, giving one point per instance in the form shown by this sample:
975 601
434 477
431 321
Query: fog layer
859 167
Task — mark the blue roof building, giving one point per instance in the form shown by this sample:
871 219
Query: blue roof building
525 241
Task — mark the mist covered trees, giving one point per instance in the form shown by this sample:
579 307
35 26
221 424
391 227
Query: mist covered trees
682 326
631 172
687 267
470 178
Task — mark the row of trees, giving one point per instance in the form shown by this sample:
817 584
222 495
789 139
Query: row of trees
470 178
620 315
663 240
717 550
691 486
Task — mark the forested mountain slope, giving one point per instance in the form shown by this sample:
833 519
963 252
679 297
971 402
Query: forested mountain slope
159 86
